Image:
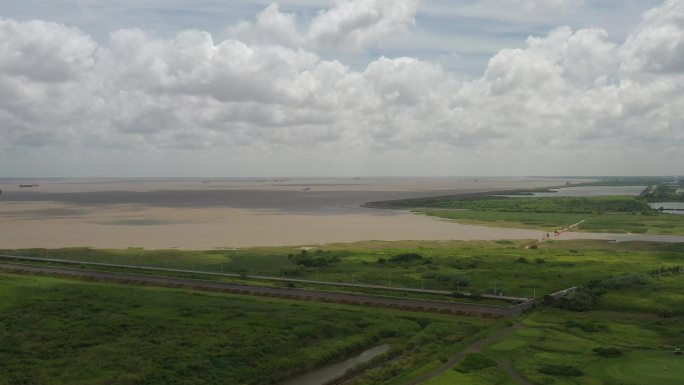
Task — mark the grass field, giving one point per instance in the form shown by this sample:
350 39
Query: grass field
61 331
641 368
565 205
480 267
533 220
488 376
64 330
564 343
600 214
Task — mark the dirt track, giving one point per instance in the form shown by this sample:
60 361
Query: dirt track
291 293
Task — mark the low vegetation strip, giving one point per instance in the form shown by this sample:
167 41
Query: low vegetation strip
560 205
64 331
460 356
260 277
478 267
614 214
347 298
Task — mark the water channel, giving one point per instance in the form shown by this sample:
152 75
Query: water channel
328 373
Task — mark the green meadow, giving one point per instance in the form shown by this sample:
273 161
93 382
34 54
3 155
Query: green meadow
465 266
614 214
62 331
621 326
605 347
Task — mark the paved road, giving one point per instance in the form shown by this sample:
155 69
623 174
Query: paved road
292 293
475 347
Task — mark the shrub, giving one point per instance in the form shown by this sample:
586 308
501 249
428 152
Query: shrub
522 260
462 264
588 328
608 352
561 370
621 281
293 270
475 361
539 261
406 257
455 279
580 300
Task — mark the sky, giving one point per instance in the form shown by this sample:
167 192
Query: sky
341 88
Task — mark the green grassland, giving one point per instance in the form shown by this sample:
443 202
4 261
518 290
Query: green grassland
627 339
560 347
473 266
567 205
600 214
538 221
488 376
62 331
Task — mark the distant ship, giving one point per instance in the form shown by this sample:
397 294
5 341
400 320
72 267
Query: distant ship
29 185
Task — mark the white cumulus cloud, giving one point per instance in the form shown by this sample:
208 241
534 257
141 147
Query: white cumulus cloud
567 93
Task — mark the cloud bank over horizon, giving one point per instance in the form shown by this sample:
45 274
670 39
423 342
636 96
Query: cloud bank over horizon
268 99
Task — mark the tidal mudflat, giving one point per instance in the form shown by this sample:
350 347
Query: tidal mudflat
226 213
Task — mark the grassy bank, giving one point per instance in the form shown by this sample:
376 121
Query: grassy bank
627 338
599 347
477 266
62 331
600 214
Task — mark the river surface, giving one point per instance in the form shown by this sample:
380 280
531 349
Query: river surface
337 370
587 191
669 207
198 214
621 237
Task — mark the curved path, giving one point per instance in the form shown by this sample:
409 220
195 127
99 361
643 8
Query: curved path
474 348
416 304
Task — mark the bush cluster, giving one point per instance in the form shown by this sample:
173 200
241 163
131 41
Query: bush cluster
475 361
608 352
561 370
306 259
456 279
592 327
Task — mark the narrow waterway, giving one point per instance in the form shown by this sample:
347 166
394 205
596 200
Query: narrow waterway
669 207
328 373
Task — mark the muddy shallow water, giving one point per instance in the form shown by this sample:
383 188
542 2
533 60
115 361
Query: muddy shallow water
225 213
